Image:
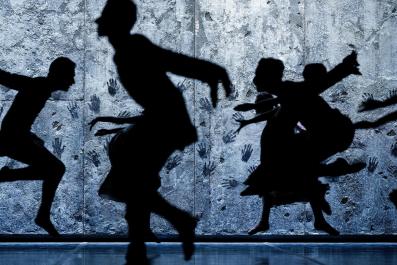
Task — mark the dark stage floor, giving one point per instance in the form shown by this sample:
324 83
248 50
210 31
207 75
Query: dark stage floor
206 254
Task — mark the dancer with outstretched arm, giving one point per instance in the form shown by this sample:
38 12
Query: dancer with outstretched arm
19 143
138 152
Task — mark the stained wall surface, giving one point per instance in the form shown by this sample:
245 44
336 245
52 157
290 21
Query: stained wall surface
206 178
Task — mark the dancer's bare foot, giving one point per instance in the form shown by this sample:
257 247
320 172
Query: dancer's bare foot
324 226
136 254
261 227
45 223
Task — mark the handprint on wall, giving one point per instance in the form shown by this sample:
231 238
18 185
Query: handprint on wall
94 158
230 137
246 152
237 117
73 109
205 105
57 125
181 86
124 114
172 163
202 150
392 170
251 169
95 104
113 86
209 168
57 147
230 183
372 164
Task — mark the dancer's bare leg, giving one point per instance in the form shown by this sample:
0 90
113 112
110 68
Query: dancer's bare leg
42 166
319 221
138 218
263 224
182 221
340 167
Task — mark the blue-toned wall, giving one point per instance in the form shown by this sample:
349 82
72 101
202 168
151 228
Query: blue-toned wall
206 178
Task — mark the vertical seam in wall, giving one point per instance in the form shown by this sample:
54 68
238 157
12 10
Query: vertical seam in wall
304 32
83 118
194 108
378 56
304 63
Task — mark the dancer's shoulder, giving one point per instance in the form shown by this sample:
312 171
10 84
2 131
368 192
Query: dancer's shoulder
292 87
139 38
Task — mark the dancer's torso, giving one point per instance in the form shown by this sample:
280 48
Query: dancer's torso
144 76
25 108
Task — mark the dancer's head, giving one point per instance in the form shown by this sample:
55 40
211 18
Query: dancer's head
117 18
61 73
314 73
268 74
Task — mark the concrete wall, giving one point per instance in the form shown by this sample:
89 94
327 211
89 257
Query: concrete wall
206 178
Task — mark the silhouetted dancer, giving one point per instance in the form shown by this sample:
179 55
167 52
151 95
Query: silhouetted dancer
330 130
300 104
19 143
279 156
138 153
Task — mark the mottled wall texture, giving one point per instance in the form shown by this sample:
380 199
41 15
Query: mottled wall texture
206 178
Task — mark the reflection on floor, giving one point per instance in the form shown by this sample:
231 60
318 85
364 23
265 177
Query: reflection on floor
206 254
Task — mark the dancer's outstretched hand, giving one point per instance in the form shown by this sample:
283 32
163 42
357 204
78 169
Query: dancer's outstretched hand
220 76
243 123
351 60
93 122
214 92
227 84
102 132
244 107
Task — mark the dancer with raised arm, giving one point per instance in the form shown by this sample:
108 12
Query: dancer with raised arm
323 132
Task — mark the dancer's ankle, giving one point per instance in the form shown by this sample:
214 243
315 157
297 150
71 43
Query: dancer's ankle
44 221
